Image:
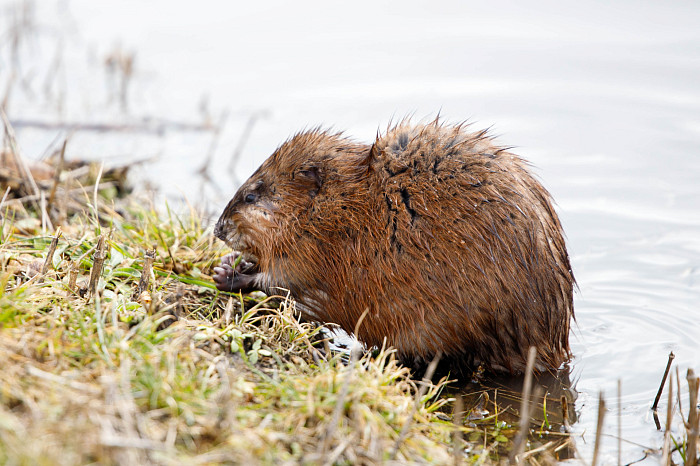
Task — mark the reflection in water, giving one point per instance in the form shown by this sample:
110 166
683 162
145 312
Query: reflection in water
497 399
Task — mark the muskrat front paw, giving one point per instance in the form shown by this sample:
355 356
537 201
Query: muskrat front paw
228 278
241 265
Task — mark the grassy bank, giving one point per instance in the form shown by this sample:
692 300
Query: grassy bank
98 366
177 373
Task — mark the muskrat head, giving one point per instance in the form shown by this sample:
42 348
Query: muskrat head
270 212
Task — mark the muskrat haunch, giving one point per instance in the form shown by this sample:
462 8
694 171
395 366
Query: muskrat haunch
446 239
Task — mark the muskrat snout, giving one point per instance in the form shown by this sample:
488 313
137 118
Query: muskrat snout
238 270
220 229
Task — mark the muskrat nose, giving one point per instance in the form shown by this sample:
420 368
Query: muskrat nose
220 230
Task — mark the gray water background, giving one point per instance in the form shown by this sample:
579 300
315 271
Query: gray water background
603 99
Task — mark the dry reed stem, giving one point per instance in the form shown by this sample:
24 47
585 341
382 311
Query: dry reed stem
542 448
457 416
95 201
26 173
665 450
565 413
693 421
73 277
50 252
98 261
45 221
4 198
678 394
8 90
599 429
520 440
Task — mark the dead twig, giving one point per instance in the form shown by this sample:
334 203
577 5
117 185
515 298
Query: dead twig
663 381
49 254
148 258
73 276
98 262
157 126
57 176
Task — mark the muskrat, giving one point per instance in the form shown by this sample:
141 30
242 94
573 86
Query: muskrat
445 239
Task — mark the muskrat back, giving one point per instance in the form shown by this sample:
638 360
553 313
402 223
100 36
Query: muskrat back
444 238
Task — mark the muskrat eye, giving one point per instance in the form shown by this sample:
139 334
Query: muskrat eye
311 174
250 198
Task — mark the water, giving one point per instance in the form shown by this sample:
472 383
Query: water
603 99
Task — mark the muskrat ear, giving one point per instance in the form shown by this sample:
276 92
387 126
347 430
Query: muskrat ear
373 154
370 156
311 175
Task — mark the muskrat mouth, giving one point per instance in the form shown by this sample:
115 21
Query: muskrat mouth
242 259
249 262
239 244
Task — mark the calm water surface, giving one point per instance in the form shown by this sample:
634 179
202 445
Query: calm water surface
603 100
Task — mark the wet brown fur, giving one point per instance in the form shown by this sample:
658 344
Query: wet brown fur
447 239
